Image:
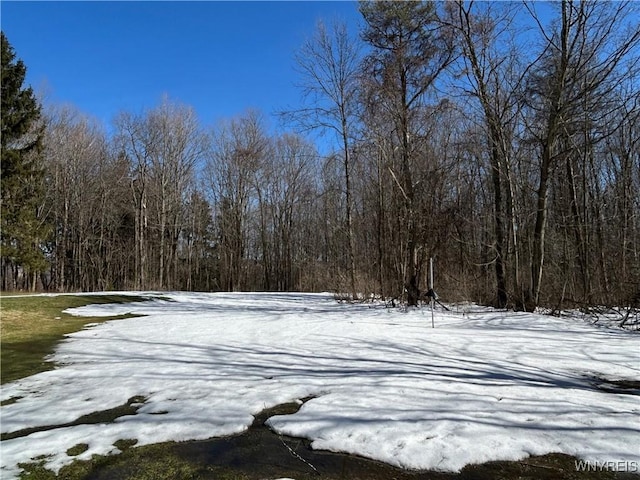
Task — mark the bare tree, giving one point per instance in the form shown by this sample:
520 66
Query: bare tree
88 204
134 140
75 148
493 79
180 145
622 201
329 64
284 187
237 153
163 146
584 59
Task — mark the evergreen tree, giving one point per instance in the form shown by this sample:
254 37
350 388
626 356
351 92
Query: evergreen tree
409 51
22 229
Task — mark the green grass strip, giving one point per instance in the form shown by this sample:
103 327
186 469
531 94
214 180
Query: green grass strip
31 326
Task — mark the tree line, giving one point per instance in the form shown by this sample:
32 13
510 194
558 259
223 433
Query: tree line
511 157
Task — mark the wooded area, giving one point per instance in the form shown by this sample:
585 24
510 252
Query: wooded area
510 156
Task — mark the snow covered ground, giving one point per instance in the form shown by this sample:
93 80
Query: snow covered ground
483 385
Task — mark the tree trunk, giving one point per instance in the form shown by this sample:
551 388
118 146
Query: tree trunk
501 279
540 228
347 181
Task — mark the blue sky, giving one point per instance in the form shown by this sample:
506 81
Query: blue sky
222 58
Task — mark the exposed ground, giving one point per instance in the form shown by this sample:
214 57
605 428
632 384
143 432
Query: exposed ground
31 326
260 454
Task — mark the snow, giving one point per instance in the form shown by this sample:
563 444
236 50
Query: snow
483 385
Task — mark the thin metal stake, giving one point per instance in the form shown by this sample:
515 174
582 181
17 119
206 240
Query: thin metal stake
431 289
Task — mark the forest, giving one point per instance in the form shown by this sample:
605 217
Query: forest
509 156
